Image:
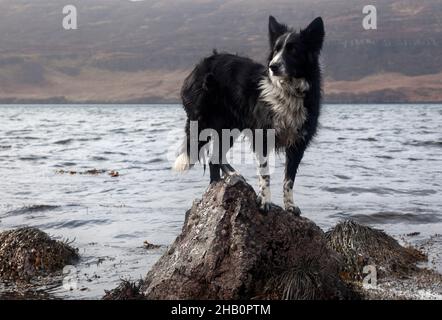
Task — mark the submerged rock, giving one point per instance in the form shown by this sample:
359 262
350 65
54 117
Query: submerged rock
28 253
228 249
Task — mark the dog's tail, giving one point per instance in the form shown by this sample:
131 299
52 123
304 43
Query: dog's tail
183 161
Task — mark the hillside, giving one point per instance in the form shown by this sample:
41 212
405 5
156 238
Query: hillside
139 51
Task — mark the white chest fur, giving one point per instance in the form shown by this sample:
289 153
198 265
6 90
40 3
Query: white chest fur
286 99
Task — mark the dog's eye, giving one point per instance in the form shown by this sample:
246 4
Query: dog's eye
291 48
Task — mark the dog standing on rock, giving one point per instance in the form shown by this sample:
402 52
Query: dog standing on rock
227 91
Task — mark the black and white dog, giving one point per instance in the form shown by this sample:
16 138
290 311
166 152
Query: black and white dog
226 91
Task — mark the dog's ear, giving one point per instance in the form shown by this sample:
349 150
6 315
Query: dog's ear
313 35
276 30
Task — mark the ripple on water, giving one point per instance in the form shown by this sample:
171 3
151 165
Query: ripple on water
73 224
64 141
99 158
126 236
89 139
118 130
342 177
115 153
387 217
369 139
26 138
384 157
379 191
32 158
154 160
424 143
31 209
15 132
65 164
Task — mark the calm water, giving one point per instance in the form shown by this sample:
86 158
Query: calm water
378 164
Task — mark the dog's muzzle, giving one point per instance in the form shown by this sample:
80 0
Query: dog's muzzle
276 69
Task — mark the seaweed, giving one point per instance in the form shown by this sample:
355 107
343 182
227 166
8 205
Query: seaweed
90 172
126 290
360 246
28 253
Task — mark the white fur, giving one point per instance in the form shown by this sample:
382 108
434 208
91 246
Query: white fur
286 98
288 194
278 56
264 189
182 163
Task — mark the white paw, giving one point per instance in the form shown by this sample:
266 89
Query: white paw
264 205
293 210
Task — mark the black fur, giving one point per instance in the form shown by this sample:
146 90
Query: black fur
224 91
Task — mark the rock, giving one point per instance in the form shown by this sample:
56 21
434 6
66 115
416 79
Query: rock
28 253
398 274
17 294
228 249
114 174
150 246
126 290
360 246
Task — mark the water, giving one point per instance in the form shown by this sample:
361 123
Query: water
378 164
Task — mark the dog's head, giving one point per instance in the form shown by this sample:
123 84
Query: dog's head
294 54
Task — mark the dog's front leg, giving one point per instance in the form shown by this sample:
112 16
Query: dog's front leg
293 159
264 195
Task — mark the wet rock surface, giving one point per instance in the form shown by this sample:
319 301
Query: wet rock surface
29 254
228 249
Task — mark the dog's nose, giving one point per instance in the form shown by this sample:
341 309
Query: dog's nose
275 67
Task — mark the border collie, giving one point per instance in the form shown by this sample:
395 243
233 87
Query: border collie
226 91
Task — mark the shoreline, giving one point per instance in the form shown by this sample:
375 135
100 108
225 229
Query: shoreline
160 101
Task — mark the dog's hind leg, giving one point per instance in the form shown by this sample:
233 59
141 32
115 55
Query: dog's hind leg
226 168
215 175
225 145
